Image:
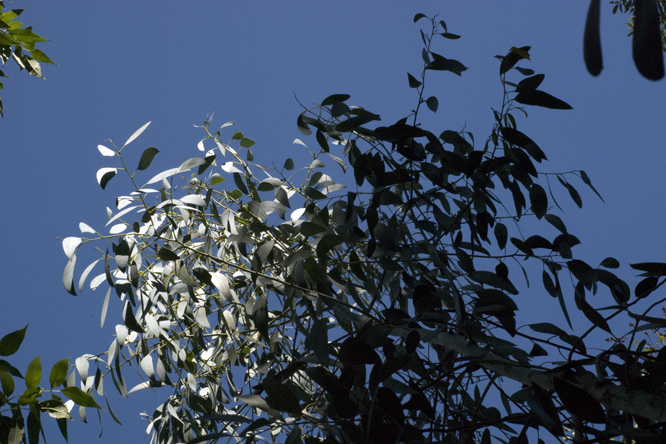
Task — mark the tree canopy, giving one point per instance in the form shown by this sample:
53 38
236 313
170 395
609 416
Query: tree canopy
370 294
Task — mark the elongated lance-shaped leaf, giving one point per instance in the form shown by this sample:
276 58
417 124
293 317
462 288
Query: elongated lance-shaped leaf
136 134
58 373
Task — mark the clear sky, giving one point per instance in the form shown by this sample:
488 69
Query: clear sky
124 63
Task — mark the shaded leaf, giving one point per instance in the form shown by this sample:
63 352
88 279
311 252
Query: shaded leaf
413 83
432 103
540 98
538 200
579 402
80 397
147 158
11 342
653 268
104 175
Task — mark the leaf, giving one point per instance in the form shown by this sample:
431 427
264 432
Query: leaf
418 17
39 55
11 342
538 200
588 182
136 134
107 152
532 82
167 255
490 278
258 402
610 262
432 103
147 366
653 268
440 63
260 316
579 402
147 158
355 351
572 192
69 245
556 222
326 243
280 397
501 234
33 375
593 315
6 383
288 164
58 373
646 286
540 98
547 328
129 319
413 83
104 175
80 397
68 276
335 98
513 57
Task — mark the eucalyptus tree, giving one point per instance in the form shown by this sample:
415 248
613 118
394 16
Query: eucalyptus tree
371 300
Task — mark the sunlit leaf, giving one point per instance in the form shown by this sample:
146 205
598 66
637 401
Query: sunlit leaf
136 134
58 373
107 152
33 375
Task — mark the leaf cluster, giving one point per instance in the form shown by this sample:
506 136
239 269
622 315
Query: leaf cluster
15 427
20 44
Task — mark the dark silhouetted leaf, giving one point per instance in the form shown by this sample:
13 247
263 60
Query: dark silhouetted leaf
653 268
530 83
646 286
167 255
513 57
540 98
579 402
335 98
432 103
538 200
11 342
147 158
356 351
129 319
413 83
556 222
501 234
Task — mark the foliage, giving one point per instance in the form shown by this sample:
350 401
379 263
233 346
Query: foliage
276 303
19 43
13 406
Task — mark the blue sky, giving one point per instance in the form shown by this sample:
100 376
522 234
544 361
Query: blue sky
122 64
